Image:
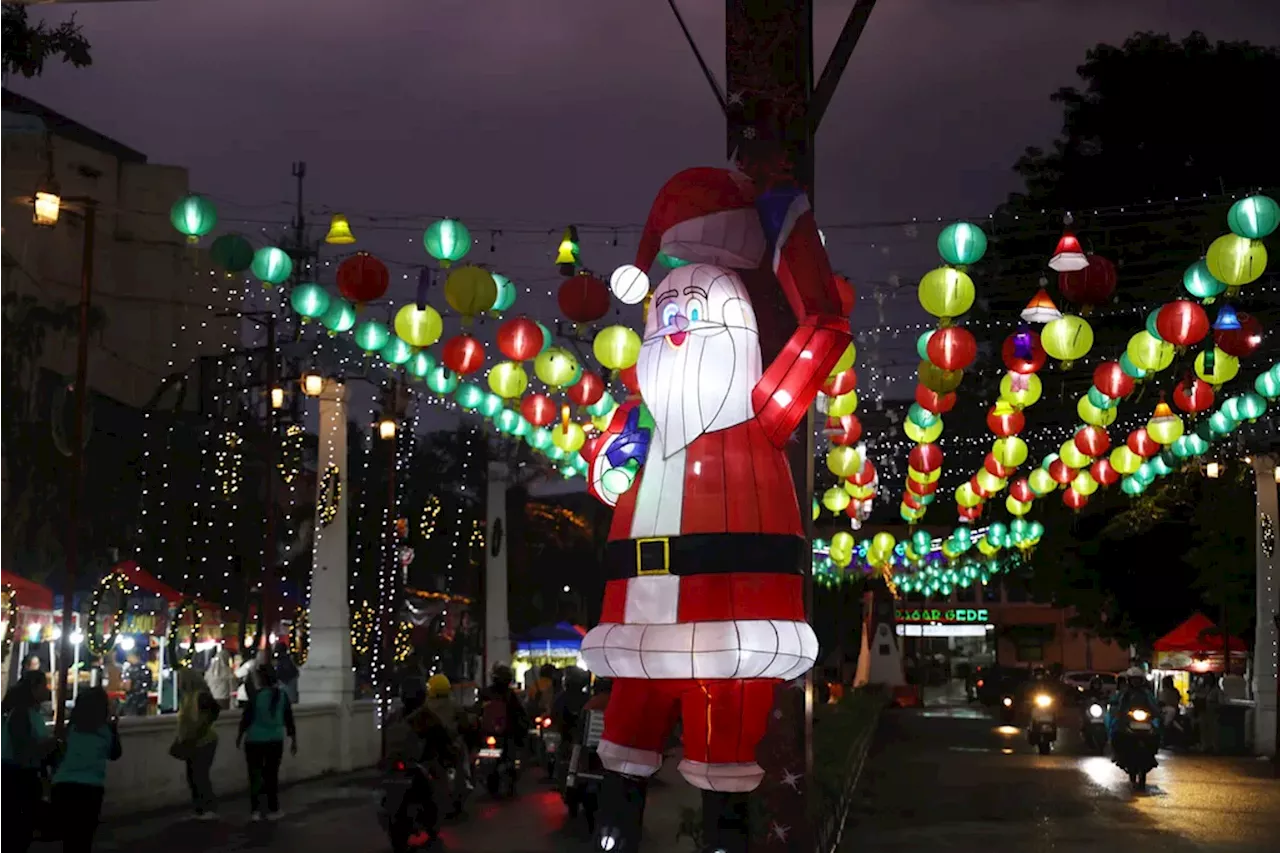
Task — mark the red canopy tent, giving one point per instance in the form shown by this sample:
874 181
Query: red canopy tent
29 593
1196 645
146 581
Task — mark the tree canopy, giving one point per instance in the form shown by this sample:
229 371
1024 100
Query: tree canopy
28 46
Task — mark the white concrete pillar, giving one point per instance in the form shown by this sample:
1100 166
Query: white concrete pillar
1266 639
497 630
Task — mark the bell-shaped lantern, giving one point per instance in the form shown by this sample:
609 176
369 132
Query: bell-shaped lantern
339 231
568 253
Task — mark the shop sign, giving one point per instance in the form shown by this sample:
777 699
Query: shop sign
954 616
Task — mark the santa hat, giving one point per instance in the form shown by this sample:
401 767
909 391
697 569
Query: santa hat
704 215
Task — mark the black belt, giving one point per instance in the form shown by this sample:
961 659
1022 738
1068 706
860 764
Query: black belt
704 553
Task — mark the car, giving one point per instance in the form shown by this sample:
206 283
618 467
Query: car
1081 679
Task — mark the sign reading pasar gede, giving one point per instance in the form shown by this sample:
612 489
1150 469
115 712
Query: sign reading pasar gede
955 616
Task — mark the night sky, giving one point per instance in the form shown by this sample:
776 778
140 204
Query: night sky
523 116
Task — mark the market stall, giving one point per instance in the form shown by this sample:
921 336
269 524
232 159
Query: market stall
559 645
30 625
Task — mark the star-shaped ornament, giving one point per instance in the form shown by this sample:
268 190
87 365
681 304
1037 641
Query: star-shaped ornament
792 780
779 831
737 99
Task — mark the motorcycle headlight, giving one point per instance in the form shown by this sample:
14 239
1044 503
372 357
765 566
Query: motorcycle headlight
1095 710
1043 700
1007 701
1139 715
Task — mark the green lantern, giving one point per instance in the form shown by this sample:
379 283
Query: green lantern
922 417
1146 473
554 453
539 438
441 380
1132 486
231 252
603 406
420 365
1160 466
922 345
1200 283
309 300
1250 406
371 336
1222 424
1267 384
194 216
447 240
508 421
922 542
1254 217
396 351
469 396
1132 370
546 337
271 266
1231 408
340 316
962 243
490 405
1100 400
506 293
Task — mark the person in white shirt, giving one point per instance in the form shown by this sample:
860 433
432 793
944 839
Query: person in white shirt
247 673
221 678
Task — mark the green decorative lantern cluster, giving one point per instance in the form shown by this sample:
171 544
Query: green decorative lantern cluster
231 252
271 266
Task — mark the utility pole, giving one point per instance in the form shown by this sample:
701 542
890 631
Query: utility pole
272 449
773 107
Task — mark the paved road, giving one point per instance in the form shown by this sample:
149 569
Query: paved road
949 779
338 816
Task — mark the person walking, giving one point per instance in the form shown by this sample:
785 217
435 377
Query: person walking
263 726
221 677
24 747
287 672
78 786
196 740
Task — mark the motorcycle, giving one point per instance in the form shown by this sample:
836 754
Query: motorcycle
1042 730
407 807
585 773
546 743
495 764
1093 729
1135 747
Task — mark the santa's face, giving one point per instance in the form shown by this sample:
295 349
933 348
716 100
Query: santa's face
701 354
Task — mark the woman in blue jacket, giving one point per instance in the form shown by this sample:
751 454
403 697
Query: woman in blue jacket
78 786
267 718
26 747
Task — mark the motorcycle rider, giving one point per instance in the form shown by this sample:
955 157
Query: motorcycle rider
569 702
1133 692
417 736
440 702
501 712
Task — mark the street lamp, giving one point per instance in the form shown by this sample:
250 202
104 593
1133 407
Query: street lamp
46 204
312 383
277 397
1212 470
387 427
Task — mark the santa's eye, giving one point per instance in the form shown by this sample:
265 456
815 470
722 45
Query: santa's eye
669 312
694 309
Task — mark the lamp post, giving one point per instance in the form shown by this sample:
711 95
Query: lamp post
47 207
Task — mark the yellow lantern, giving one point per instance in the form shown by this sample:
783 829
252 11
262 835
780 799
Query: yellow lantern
555 366
1041 482
1092 415
966 496
1020 390
835 499
1017 507
616 347
602 422
990 483
1165 427
1235 260
1225 367
1071 455
1084 483
882 543
844 461
986 548
946 292
846 359
859 493
340 233
568 437
1067 338
922 435
843 405
418 327
841 548
938 380
921 477
1125 460
508 380
1149 352
470 290
1010 452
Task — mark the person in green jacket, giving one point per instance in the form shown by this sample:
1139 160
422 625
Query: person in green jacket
79 783
26 745
196 740
265 721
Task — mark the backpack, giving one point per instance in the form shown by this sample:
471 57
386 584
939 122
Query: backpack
493 719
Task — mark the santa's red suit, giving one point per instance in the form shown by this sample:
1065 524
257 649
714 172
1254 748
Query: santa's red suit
704 614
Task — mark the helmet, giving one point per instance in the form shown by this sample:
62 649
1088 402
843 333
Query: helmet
438 685
501 674
1135 672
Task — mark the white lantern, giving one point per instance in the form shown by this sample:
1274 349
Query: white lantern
629 284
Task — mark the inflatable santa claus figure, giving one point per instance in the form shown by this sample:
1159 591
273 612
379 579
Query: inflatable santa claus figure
703 613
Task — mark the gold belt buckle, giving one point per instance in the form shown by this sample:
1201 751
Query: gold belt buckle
666 556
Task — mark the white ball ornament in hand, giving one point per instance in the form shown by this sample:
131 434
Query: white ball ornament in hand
629 284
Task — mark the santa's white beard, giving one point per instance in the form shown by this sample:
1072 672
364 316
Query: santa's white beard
700 387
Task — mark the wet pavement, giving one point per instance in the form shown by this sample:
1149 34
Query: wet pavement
950 778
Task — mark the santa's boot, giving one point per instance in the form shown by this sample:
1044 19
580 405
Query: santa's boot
621 816
724 822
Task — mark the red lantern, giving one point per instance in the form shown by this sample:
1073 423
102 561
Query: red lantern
1141 443
1193 395
1092 441
851 509
362 278
1020 490
995 469
1241 342
922 488
952 348
977 488
1182 323
587 390
925 458
1090 286
520 339
969 513
1104 473
934 402
1110 378
630 379
865 476
583 298
1074 499
463 354
1005 424
911 500
844 430
1061 472
1022 352
841 383
538 409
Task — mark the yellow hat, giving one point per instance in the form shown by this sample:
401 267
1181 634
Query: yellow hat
438 685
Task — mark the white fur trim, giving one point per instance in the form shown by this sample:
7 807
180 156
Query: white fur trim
728 238
627 759
727 778
745 648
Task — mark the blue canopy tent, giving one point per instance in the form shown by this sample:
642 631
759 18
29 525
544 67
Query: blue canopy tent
559 645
